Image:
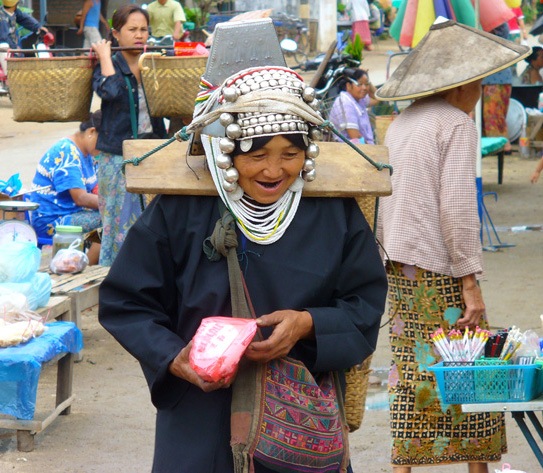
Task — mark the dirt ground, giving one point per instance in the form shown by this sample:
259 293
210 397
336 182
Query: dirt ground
110 428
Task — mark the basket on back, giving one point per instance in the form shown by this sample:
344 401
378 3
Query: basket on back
50 89
171 83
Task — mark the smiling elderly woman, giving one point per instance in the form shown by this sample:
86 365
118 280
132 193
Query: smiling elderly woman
311 266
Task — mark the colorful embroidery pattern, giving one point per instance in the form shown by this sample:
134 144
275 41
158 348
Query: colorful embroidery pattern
300 429
425 431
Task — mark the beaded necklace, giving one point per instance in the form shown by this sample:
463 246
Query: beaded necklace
261 223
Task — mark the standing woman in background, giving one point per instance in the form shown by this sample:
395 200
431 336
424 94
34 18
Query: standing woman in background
359 11
89 25
125 116
496 95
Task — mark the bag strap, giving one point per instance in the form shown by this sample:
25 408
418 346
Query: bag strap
133 121
244 421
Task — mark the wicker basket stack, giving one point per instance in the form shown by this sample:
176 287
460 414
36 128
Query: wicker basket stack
171 83
50 89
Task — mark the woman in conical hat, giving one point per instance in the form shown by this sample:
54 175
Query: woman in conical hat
311 267
430 231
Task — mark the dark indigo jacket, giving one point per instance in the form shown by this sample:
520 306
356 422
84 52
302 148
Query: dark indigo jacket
116 126
8 26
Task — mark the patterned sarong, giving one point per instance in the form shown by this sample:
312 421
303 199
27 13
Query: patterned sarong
495 105
424 430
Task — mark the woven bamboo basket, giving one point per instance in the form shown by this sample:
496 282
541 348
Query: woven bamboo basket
171 83
50 89
382 122
357 378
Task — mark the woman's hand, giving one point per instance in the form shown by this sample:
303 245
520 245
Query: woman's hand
473 298
535 176
290 326
180 367
102 49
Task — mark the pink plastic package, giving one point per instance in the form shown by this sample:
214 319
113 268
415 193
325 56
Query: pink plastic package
218 346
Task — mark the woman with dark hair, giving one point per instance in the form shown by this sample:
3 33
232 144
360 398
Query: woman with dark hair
349 113
65 184
117 80
531 74
311 267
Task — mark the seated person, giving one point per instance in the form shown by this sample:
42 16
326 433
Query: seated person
531 74
349 112
66 186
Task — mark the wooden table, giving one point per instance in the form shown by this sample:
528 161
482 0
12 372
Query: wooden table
82 289
59 307
518 411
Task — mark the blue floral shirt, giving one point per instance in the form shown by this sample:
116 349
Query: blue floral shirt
63 167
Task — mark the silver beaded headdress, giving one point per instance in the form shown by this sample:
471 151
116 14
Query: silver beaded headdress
253 103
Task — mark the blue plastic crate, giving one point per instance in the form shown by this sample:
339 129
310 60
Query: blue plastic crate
479 384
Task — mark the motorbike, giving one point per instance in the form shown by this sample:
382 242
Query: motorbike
330 69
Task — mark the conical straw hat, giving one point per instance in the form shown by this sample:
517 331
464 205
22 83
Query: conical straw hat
450 55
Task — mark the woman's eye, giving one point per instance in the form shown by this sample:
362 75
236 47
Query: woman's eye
291 155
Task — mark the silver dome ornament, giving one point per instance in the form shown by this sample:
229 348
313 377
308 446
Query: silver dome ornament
246 145
309 165
316 133
292 126
316 104
229 186
276 128
267 128
309 94
231 175
230 94
237 194
309 176
259 130
226 145
223 161
226 119
312 151
233 131
284 126
245 89
250 131
297 185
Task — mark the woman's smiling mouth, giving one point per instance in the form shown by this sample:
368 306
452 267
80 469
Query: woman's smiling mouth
270 186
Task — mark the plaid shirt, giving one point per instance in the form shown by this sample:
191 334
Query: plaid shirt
431 219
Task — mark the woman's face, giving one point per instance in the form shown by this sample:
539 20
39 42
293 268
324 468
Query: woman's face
537 63
267 173
135 31
359 90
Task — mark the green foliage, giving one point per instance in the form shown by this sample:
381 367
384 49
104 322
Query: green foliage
355 49
341 7
199 15
529 13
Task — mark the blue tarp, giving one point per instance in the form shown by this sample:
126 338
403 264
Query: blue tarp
20 366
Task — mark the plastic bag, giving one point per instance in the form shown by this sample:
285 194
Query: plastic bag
37 291
506 468
218 346
12 186
14 303
529 347
19 261
21 327
69 260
